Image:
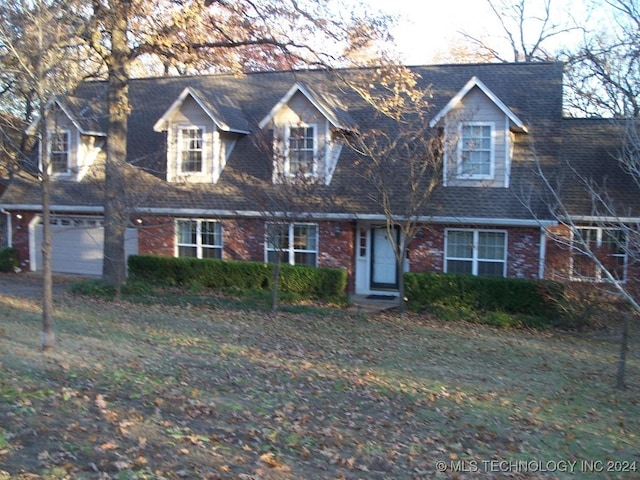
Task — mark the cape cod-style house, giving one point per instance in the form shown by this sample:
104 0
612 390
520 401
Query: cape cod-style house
197 160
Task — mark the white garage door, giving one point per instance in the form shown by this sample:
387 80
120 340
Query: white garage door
77 244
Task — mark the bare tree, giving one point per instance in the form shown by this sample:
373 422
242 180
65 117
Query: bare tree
603 75
602 245
295 186
37 58
402 160
527 26
229 35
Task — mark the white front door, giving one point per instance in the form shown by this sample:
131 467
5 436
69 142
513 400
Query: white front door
384 268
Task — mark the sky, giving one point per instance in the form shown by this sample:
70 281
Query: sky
429 26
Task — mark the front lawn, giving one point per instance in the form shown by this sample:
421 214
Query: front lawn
139 391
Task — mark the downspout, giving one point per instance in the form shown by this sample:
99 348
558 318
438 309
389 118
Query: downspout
543 252
9 227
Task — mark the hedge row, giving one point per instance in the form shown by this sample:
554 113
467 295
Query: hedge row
515 296
307 281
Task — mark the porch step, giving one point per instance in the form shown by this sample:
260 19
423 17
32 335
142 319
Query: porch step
372 304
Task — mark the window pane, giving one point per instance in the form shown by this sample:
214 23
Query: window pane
491 245
459 244
210 233
187 251
209 252
491 269
187 232
476 150
301 150
192 146
304 237
614 241
277 236
60 152
305 259
459 266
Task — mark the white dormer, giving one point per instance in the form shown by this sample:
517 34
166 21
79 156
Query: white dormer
479 133
73 140
201 134
305 139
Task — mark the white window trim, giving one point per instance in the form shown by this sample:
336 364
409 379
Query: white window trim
291 251
599 277
492 154
474 251
50 135
198 244
287 158
179 132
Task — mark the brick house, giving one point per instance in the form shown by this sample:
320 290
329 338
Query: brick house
196 162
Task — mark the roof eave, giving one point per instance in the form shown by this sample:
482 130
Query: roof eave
476 82
297 87
162 124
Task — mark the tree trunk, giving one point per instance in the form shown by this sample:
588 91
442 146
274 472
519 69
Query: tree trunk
622 359
47 335
276 283
115 205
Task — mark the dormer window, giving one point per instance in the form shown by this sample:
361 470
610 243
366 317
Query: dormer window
306 143
59 152
302 151
191 149
476 151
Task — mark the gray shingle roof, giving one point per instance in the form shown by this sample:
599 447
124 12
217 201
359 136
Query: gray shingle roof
591 162
533 92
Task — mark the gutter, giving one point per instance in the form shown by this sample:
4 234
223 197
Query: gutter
594 219
28 207
206 212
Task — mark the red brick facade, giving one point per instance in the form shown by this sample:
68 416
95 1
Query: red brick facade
20 226
243 239
426 251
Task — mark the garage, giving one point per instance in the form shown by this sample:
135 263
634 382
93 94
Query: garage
77 244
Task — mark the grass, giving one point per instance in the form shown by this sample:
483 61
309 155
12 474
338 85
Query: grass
141 390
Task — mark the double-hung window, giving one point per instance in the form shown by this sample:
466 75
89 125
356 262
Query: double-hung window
191 149
476 252
199 238
476 151
608 245
295 243
59 152
301 155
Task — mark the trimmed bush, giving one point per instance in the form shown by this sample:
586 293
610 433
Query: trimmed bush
537 298
9 259
306 282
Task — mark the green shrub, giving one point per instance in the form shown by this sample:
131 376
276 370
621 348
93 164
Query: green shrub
93 288
8 259
502 302
196 274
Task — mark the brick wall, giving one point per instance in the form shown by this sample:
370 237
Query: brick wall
426 251
558 255
20 228
156 236
523 253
